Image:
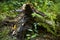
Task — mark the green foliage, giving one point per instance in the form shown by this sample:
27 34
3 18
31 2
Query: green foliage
50 8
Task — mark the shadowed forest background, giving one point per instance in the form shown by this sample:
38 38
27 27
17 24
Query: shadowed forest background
49 30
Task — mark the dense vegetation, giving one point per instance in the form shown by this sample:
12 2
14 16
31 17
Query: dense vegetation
50 7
